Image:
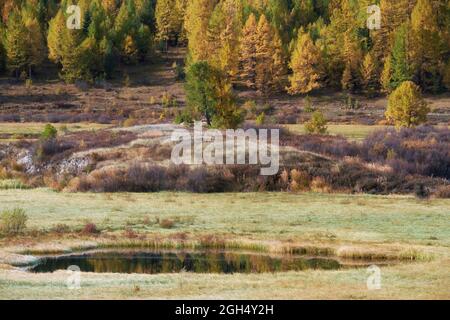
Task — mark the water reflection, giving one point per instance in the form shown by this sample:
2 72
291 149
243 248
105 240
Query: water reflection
153 262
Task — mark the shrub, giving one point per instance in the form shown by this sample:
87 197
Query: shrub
319 184
90 228
422 150
309 108
50 147
130 122
167 224
49 132
13 222
130 233
261 119
300 180
317 125
184 117
61 228
406 107
144 178
443 192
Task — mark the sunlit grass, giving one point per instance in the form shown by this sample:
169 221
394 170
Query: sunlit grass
351 131
330 217
358 226
28 128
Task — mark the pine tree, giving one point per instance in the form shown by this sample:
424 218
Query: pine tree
143 41
305 64
73 56
126 23
401 70
247 57
209 94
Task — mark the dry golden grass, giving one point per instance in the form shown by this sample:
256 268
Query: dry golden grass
362 227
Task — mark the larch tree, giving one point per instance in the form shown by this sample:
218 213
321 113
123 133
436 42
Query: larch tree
351 77
223 37
198 13
305 65
35 38
167 21
394 14
54 37
264 54
426 51
406 106
369 74
270 68
279 66
17 48
248 54
386 75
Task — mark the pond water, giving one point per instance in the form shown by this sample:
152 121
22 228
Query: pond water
154 262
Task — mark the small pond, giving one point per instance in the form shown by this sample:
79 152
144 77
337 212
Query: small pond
154 262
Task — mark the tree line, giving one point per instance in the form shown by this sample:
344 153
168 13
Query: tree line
272 46
300 45
34 31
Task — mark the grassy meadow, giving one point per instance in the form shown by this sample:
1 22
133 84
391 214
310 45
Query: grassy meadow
349 226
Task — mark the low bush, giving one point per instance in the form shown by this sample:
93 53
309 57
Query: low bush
443 192
60 228
90 229
13 222
167 224
423 150
317 124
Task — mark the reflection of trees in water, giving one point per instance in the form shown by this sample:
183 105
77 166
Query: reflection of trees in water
197 262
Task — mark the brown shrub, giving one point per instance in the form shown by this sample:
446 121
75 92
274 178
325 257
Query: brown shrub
167 224
90 229
319 184
300 180
60 228
130 233
443 192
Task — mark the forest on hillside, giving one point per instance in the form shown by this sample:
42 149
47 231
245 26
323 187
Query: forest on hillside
271 46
